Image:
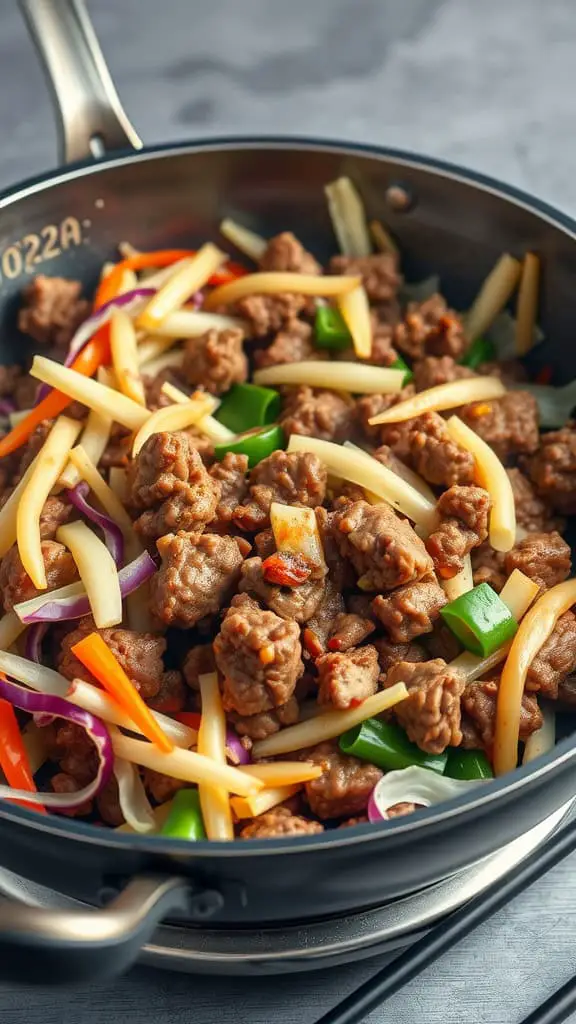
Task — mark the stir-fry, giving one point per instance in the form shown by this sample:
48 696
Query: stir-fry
281 544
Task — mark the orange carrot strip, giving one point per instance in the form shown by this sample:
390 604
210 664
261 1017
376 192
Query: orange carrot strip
14 757
97 657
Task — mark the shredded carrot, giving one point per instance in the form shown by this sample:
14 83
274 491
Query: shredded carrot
97 657
111 284
14 759
93 355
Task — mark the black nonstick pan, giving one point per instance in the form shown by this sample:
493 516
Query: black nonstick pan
448 221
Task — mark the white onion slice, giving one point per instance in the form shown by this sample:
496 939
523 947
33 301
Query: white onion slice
415 785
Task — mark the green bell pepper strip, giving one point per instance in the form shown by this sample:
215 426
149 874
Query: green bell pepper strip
399 364
246 406
481 351
185 818
387 746
330 328
480 620
467 764
257 445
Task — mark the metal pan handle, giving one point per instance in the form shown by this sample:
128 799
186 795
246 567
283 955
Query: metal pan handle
91 119
39 945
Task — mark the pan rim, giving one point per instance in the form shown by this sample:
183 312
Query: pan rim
429 821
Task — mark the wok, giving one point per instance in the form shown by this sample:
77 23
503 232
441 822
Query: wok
68 222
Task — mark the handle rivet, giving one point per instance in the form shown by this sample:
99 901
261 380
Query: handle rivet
205 904
399 198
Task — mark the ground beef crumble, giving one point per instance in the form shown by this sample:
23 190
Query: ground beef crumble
258 654
52 310
384 549
346 679
216 360
199 572
431 712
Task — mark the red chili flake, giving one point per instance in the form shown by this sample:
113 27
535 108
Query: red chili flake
312 643
355 702
286 570
335 643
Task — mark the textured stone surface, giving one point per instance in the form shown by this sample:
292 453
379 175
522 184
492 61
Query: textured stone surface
487 84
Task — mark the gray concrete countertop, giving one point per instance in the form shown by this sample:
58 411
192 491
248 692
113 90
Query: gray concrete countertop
486 84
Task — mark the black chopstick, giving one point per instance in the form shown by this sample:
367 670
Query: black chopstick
356 1006
557 1006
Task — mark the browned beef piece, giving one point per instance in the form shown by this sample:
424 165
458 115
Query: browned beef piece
170 482
269 314
295 478
567 692
52 310
431 371
33 446
322 624
552 469
285 253
171 696
230 473
532 512
390 654
384 549
509 424
155 397
279 823
479 702
348 630
15 583
463 525
140 655
298 602
63 783
383 319
544 557
199 572
431 712
411 610
388 458
258 653
216 360
555 660
395 435
430 328
441 643
159 786
117 451
323 414
488 567
264 543
55 513
198 661
108 804
383 352
258 727
293 344
379 273
435 456
345 785
346 679
75 752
